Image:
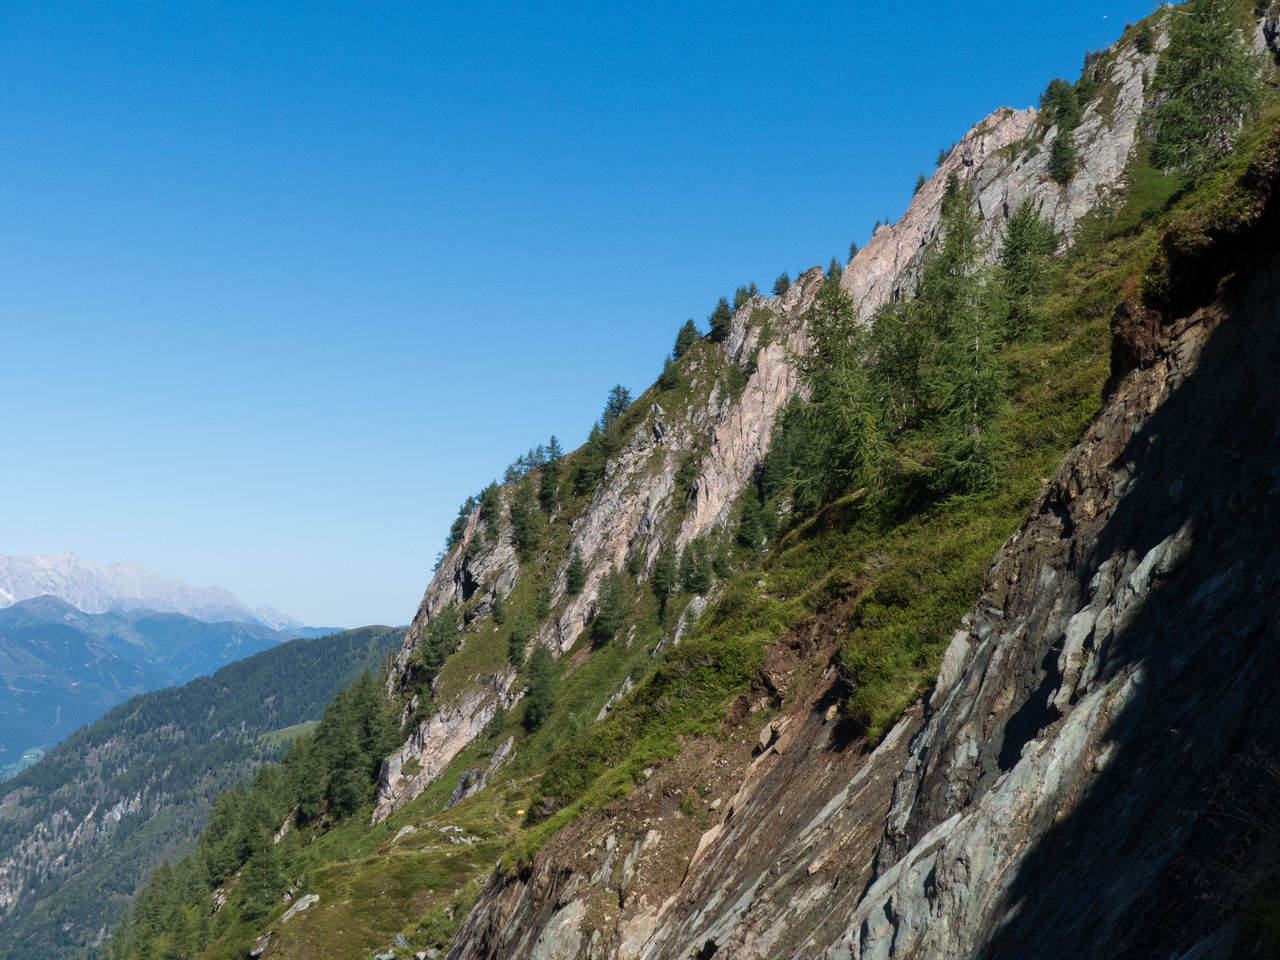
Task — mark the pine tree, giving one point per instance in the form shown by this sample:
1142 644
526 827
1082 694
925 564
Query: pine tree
539 697
260 883
663 579
1144 40
721 320
1062 157
490 510
1207 83
850 446
1060 105
748 533
615 406
685 339
898 349
576 577
782 284
526 522
438 639
459 526
516 642
968 380
695 568
1026 262
720 559
669 379
591 461
549 477
610 608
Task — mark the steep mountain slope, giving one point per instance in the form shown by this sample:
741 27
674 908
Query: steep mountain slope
124 586
1090 774
1092 770
638 506
699 698
79 830
61 668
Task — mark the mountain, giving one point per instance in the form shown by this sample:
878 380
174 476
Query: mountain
122 587
924 608
61 668
80 829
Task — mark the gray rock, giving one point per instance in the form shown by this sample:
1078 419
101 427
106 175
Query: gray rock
302 904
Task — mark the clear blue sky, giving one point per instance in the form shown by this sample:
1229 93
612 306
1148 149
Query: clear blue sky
282 283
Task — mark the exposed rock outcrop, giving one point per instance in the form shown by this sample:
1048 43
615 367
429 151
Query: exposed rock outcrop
431 746
473 780
1006 158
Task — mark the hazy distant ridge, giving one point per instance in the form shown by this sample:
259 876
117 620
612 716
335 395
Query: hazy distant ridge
123 586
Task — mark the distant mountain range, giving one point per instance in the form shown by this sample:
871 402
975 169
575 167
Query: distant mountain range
124 586
61 667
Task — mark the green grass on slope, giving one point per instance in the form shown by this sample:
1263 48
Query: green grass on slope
913 574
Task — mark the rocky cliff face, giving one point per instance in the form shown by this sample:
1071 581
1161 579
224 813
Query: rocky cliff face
1091 771
638 504
1006 158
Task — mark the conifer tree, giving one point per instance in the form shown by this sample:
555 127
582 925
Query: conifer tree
490 510
539 698
610 608
669 379
615 406
1207 83
748 533
898 347
663 579
576 578
782 284
849 445
742 295
721 320
685 339
1026 261
695 568
459 526
549 477
526 522
516 642
1060 105
968 378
